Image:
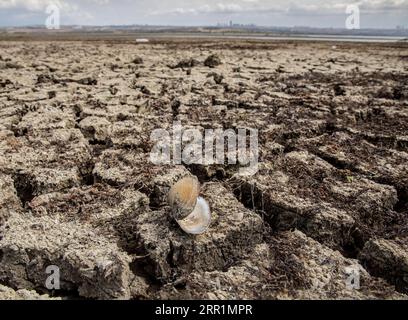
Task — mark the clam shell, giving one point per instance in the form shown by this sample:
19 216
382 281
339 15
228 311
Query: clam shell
198 220
183 197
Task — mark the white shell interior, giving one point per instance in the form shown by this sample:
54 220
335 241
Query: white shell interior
198 220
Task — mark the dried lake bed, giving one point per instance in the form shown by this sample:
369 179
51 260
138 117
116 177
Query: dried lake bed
78 191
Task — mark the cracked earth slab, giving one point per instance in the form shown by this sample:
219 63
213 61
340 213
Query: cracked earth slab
88 263
315 272
301 190
388 259
235 230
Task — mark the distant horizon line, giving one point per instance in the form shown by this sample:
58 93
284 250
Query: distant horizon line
238 25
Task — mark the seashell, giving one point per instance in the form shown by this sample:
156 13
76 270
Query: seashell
183 197
191 212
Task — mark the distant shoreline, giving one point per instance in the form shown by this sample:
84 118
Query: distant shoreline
130 36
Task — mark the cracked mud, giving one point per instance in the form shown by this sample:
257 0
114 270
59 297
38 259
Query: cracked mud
77 188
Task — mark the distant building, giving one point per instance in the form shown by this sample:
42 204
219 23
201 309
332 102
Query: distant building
231 24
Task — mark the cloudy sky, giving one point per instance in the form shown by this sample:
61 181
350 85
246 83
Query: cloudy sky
313 13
